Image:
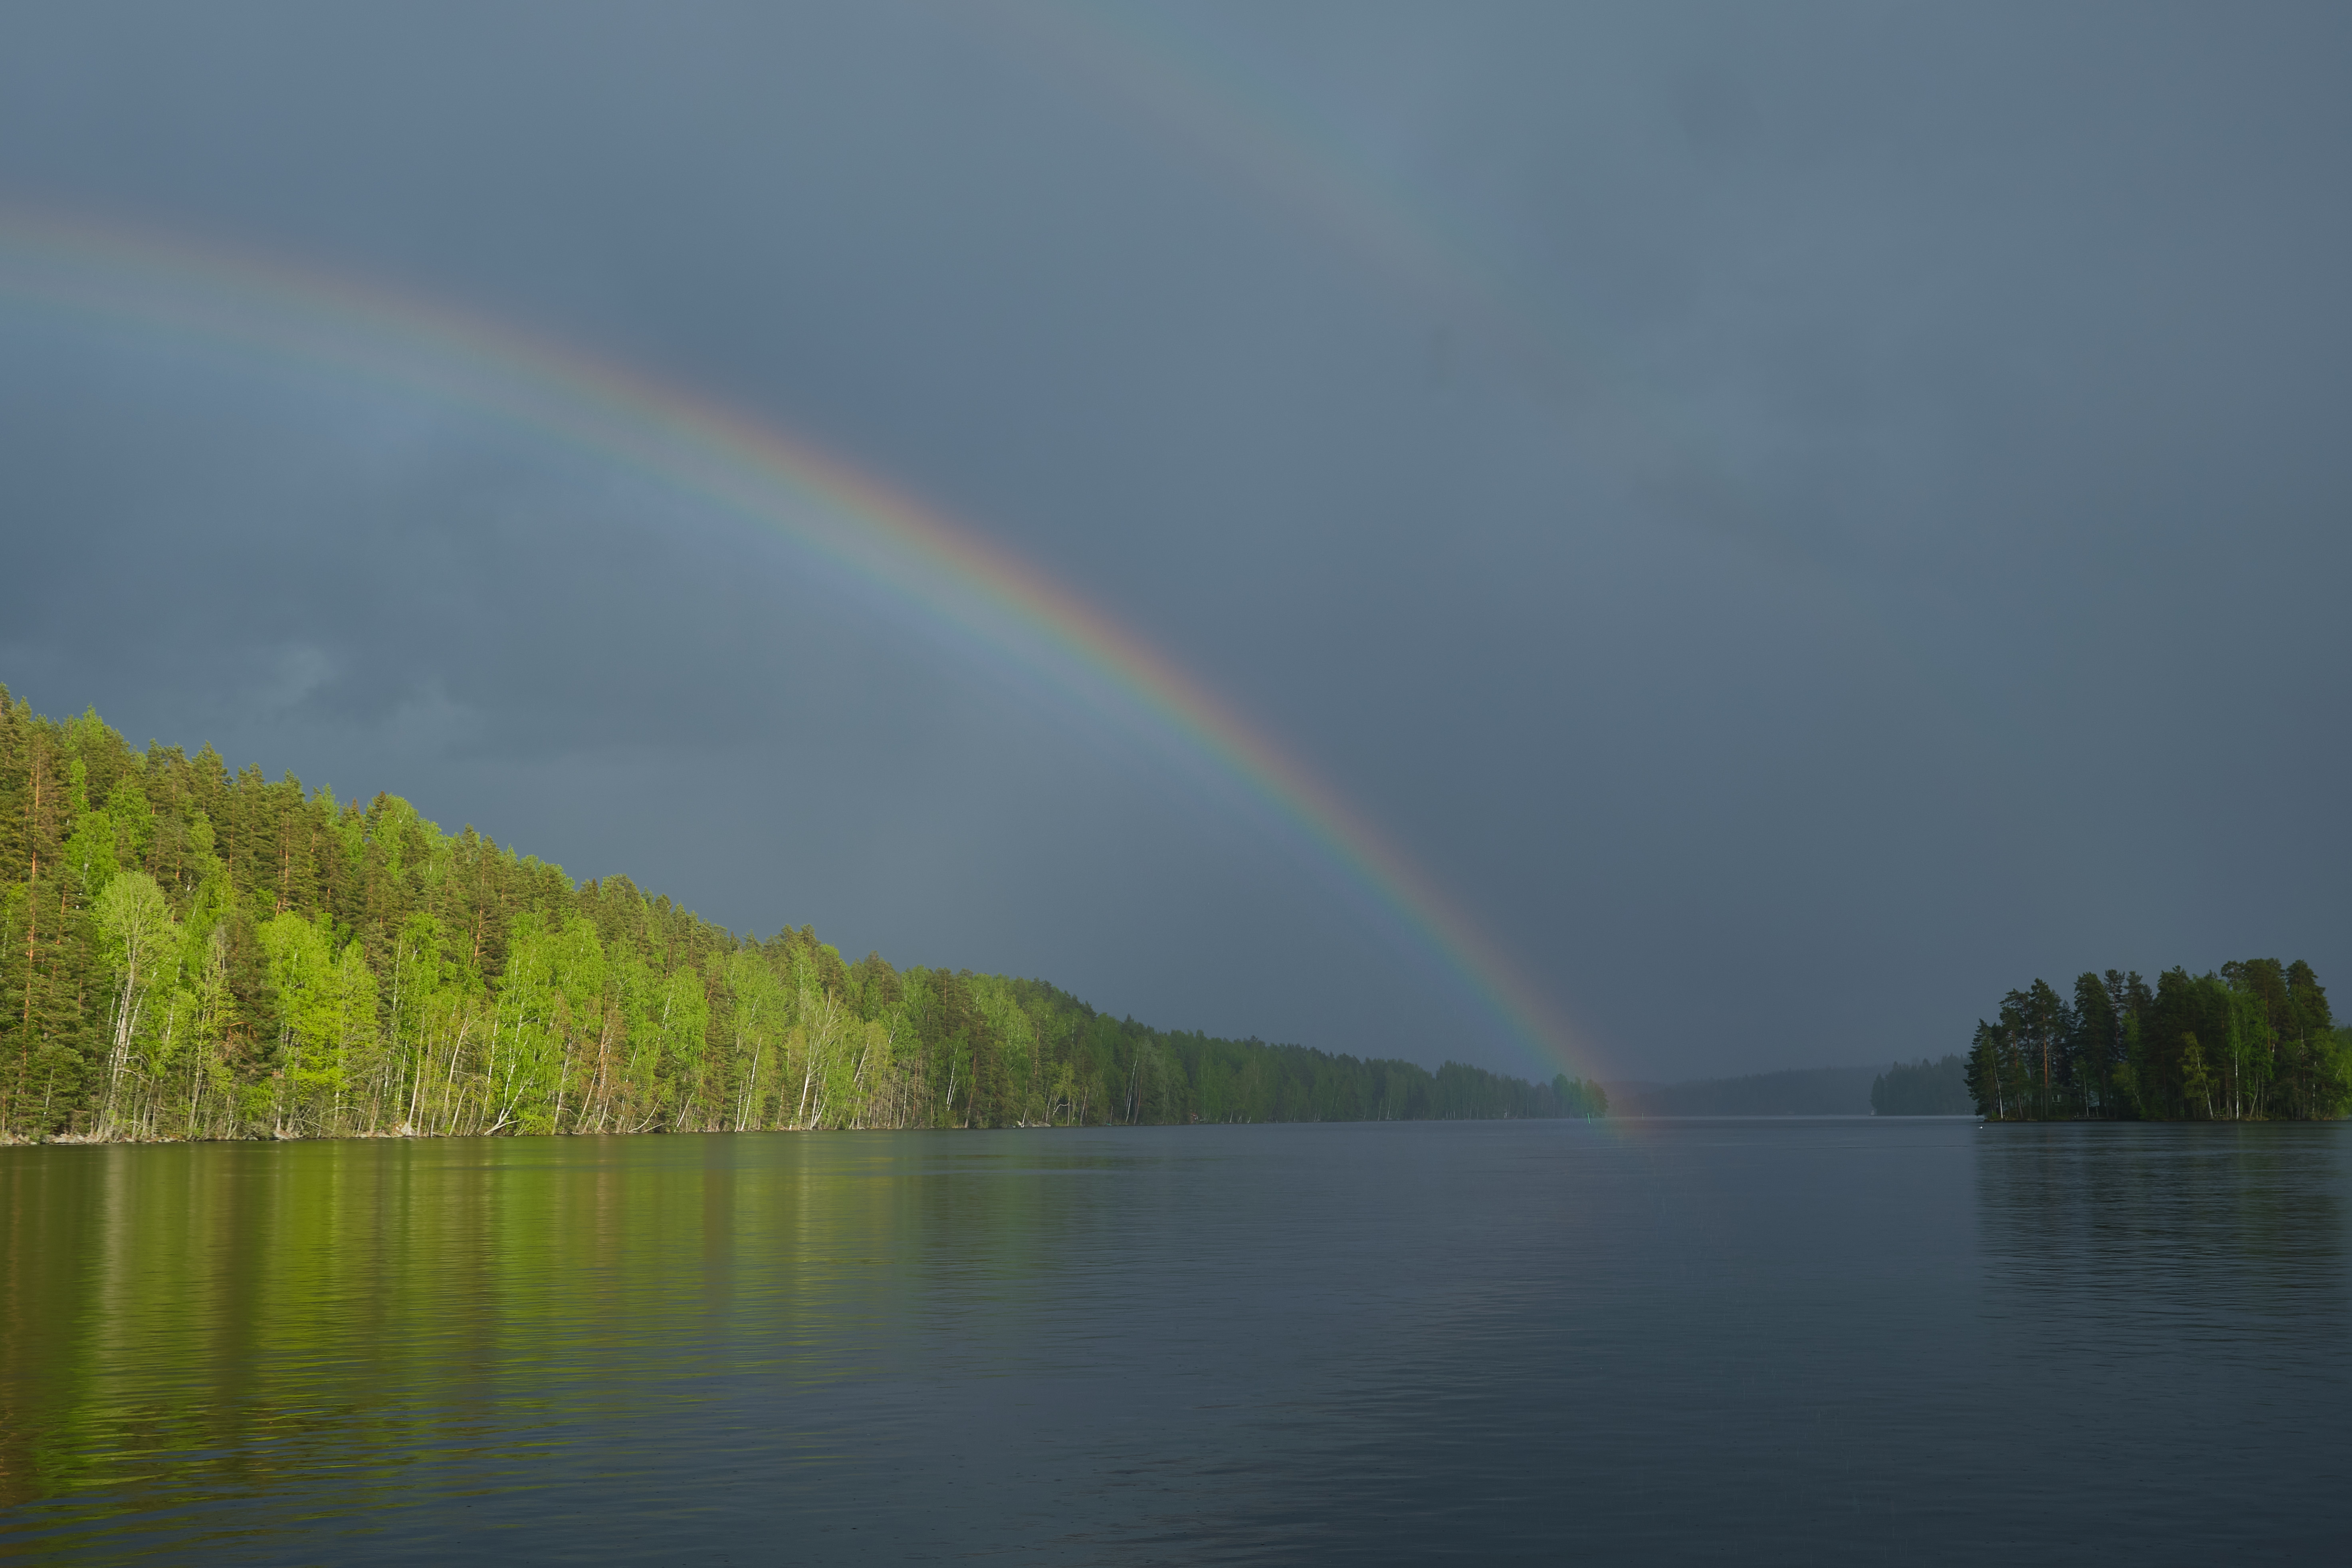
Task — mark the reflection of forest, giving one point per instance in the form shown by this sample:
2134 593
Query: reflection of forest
200 1320
2119 1242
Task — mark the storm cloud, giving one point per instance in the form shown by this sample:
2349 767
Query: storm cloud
1800 519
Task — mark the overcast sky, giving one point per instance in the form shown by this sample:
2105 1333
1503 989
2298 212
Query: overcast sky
1799 517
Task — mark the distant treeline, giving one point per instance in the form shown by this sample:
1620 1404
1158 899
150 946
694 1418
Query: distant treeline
1924 1088
1801 1091
2254 1041
1927 1088
186 952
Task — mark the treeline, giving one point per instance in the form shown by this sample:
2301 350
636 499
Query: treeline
2255 1041
1796 1091
1922 1089
189 952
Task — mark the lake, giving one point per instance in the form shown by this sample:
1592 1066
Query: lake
1763 1341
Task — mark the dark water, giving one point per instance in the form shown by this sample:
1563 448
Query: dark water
1809 1342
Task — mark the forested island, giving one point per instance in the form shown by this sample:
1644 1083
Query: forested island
187 952
2255 1041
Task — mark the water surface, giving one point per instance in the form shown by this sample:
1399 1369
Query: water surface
1776 1342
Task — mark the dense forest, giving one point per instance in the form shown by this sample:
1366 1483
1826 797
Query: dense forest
189 952
1922 1089
2254 1042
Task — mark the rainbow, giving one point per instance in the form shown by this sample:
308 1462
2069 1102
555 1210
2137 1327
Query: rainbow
857 524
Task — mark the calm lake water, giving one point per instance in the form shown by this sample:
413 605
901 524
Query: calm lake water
1761 1342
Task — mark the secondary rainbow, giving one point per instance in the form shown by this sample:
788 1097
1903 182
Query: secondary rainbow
379 333
1155 68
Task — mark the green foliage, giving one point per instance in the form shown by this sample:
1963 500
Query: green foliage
208 954
2253 1041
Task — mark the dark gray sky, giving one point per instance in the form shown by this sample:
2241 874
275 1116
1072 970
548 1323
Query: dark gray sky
1802 518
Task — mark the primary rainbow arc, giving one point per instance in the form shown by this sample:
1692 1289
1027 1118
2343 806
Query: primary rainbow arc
759 472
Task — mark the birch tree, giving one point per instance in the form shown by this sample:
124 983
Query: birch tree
142 941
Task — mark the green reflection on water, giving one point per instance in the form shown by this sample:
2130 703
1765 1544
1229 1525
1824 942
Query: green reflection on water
206 1322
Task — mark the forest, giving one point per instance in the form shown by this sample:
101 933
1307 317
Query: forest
1922 1089
190 954
2253 1042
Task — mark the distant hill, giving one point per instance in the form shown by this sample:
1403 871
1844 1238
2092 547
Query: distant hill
1804 1091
